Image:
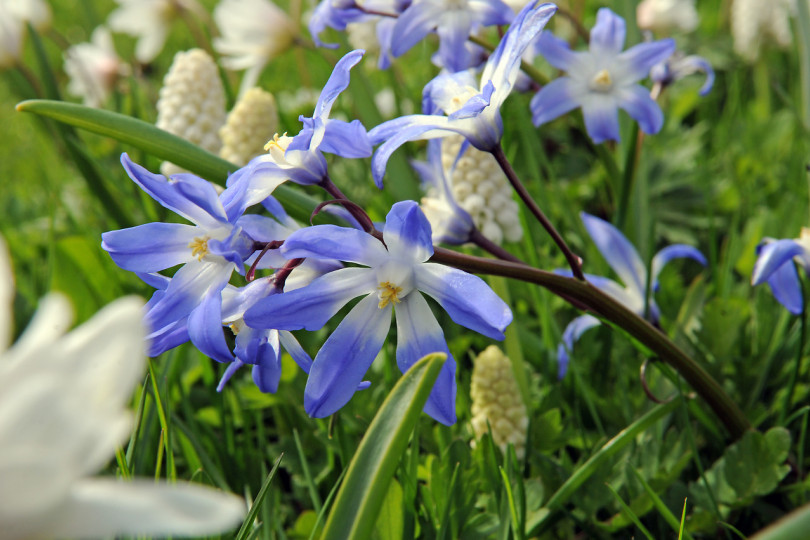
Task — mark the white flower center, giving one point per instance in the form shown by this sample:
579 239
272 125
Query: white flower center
395 282
277 146
388 293
460 99
602 82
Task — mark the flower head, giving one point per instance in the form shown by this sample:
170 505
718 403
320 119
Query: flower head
300 158
395 276
150 21
679 66
252 122
602 80
253 32
774 266
54 435
625 261
457 103
219 242
666 15
94 68
755 23
453 21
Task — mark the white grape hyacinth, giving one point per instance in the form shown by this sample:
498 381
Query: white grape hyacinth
252 122
497 404
482 190
192 103
64 411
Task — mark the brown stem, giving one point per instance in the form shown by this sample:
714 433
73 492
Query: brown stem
573 260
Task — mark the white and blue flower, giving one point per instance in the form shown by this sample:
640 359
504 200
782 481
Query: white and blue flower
396 274
602 80
775 266
625 261
457 103
300 159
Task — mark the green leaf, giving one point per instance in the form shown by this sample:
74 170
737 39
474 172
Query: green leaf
751 467
247 525
390 520
159 143
794 525
362 494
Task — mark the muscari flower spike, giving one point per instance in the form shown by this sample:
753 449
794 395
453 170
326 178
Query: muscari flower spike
457 103
300 159
625 261
396 275
602 80
774 266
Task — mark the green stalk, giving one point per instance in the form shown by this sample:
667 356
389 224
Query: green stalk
588 296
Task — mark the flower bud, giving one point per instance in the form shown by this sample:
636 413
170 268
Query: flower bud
252 122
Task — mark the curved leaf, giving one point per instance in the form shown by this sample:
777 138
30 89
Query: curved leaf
370 472
159 143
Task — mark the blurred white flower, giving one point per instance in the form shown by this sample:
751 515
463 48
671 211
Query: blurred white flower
13 16
252 122
149 21
94 68
63 412
252 32
667 15
755 23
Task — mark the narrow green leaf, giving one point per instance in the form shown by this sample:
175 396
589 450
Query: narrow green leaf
794 525
311 487
668 516
159 143
245 529
390 521
630 514
516 530
362 494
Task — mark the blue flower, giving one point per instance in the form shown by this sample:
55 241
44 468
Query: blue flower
396 275
453 21
300 158
338 13
220 241
457 103
625 261
679 66
774 265
602 80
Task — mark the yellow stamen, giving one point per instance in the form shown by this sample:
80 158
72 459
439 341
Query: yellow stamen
275 142
199 247
602 81
388 293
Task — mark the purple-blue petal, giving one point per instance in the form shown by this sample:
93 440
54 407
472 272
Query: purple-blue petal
675 251
556 51
571 334
639 59
553 100
642 108
150 247
407 232
609 32
348 140
413 25
467 299
773 255
601 118
786 288
617 251
205 328
344 358
295 350
419 334
337 83
333 242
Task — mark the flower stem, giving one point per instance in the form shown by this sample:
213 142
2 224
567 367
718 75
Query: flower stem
573 260
491 247
585 294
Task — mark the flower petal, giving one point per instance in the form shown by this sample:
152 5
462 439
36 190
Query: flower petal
337 83
345 357
638 60
205 328
346 139
608 34
105 507
618 252
333 242
556 51
295 350
467 299
675 251
571 334
266 360
419 334
601 118
553 100
642 108
773 255
413 25
150 247
786 288
311 306
407 232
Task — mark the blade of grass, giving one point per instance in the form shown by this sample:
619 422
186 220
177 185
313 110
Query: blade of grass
313 490
671 520
372 467
630 514
516 529
246 528
165 434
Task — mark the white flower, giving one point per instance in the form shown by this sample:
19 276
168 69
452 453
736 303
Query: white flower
13 16
37 12
667 15
253 32
63 412
93 68
150 21
757 22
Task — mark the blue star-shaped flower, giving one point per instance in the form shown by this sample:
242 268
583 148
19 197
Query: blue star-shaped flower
774 266
624 259
396 274
602 80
